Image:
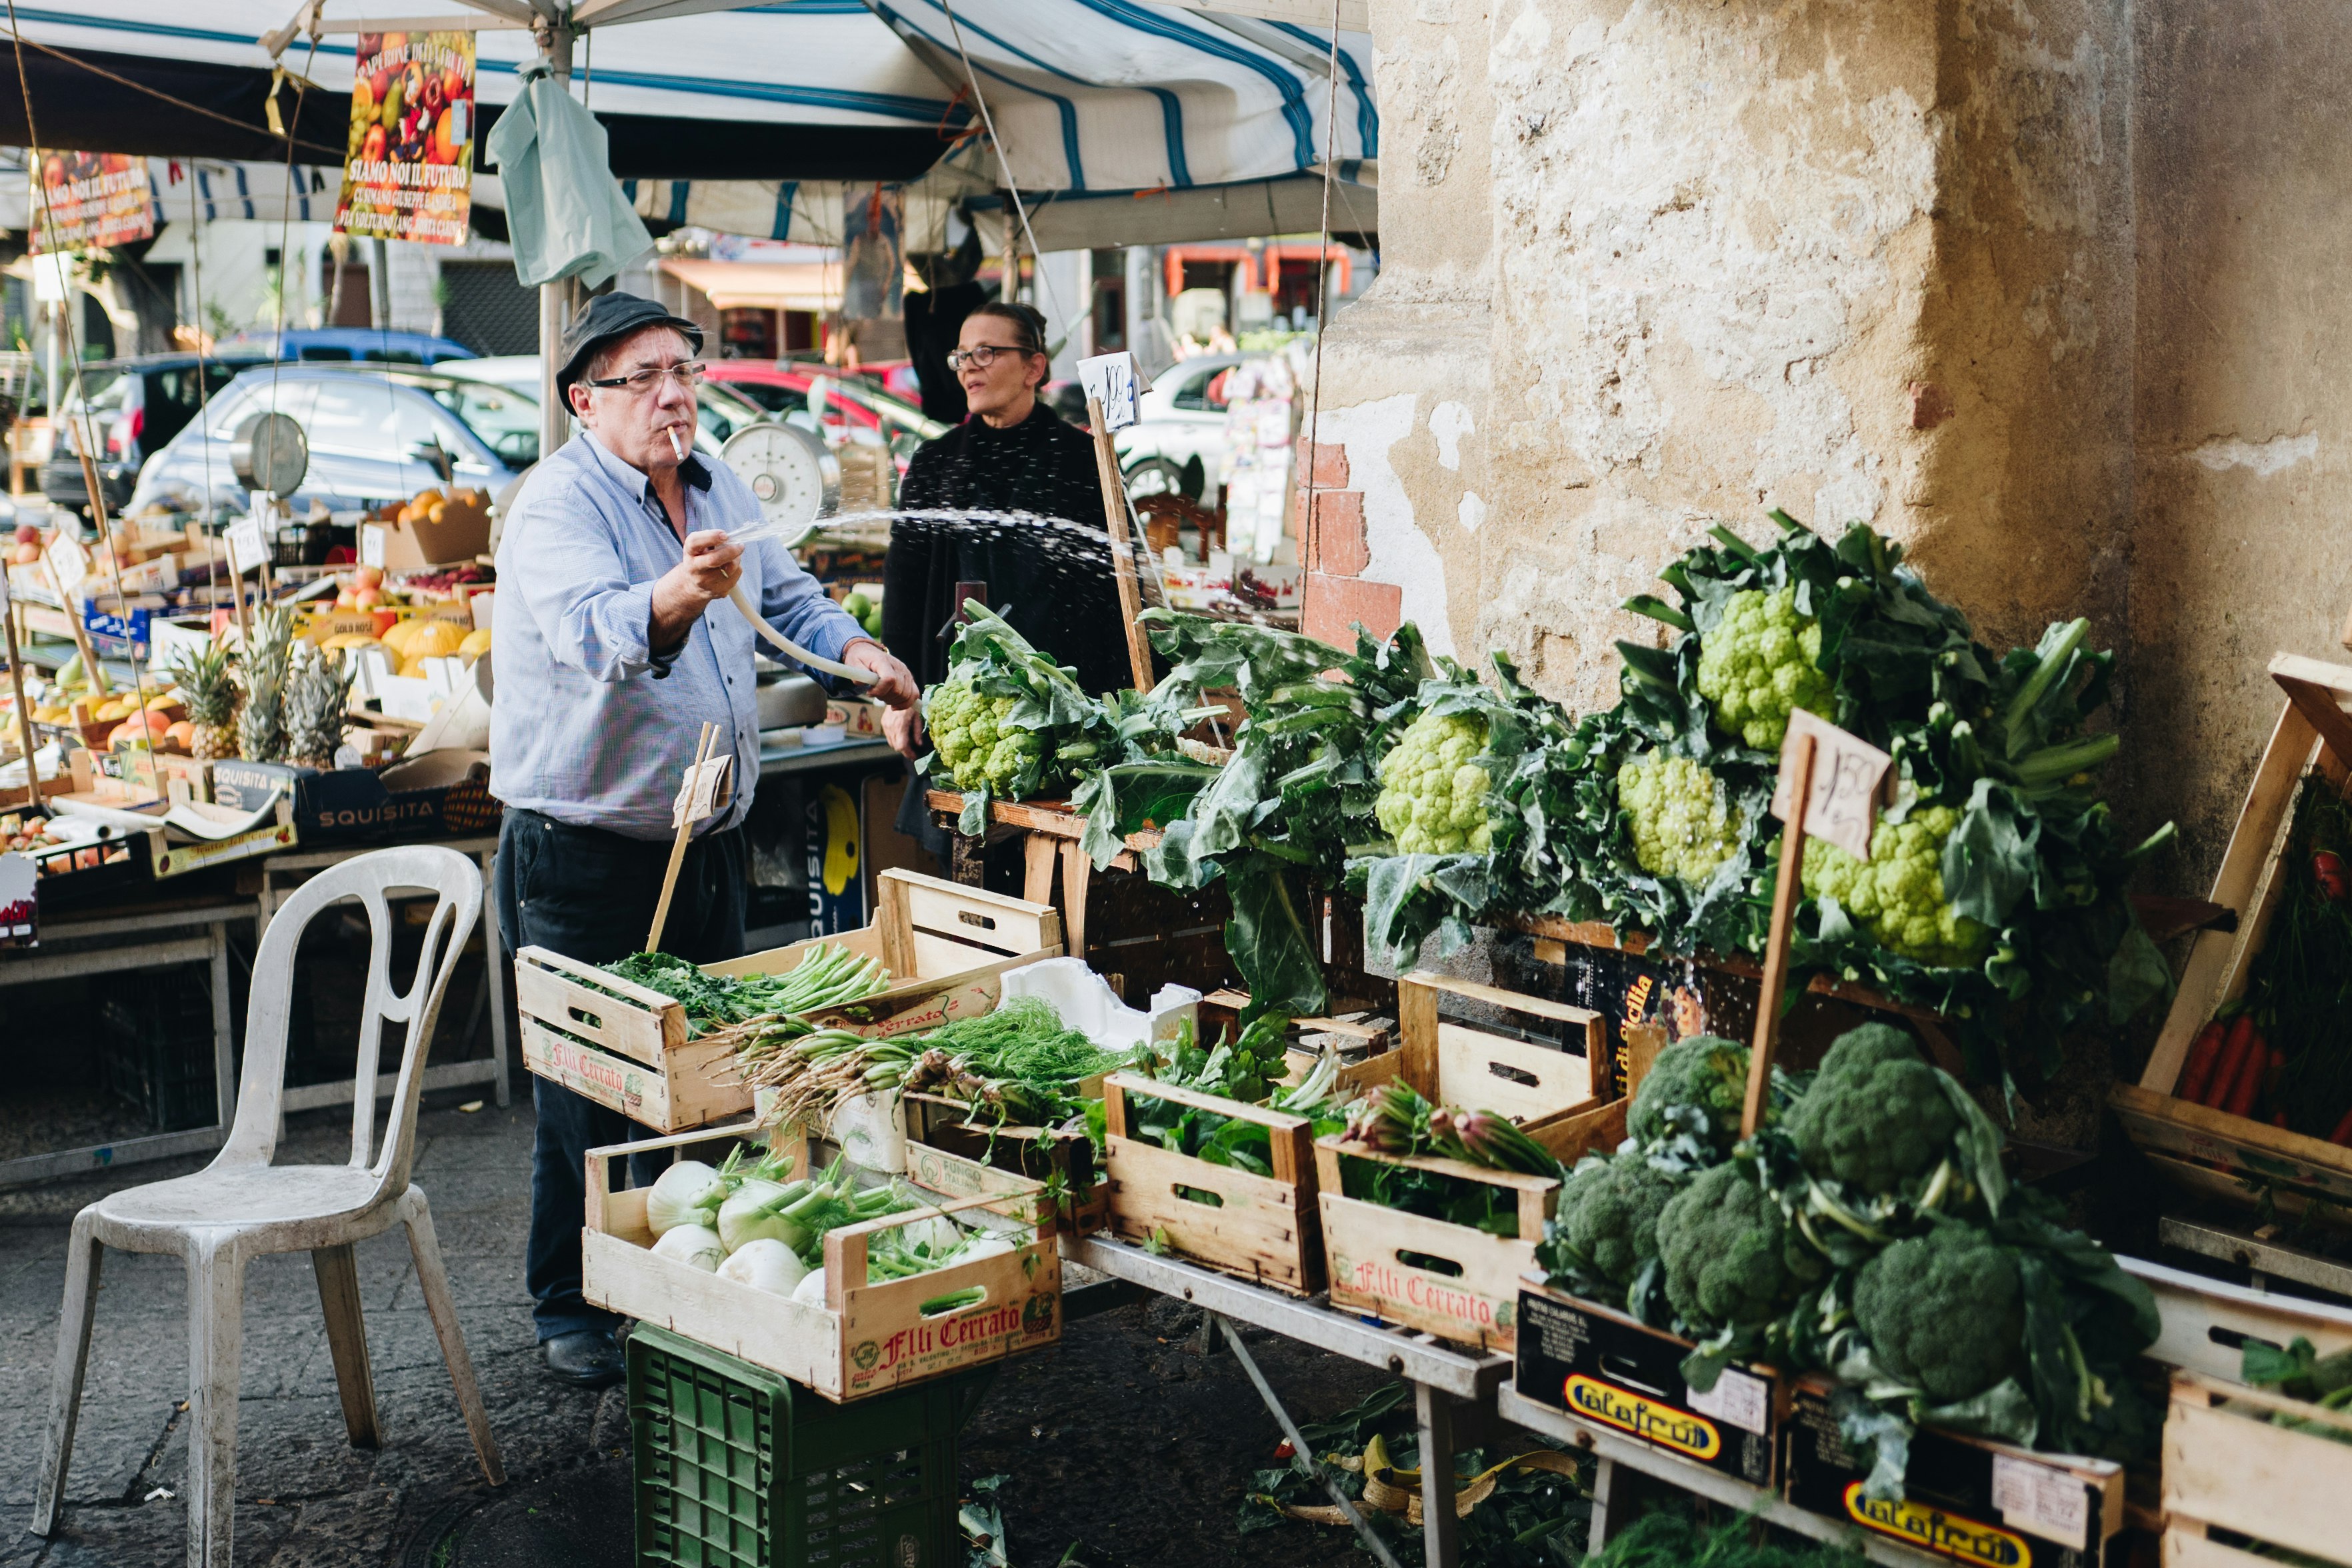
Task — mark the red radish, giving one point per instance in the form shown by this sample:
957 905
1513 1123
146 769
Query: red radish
2203 1054
2249 1081
2334 882
1283 1451
2232 1061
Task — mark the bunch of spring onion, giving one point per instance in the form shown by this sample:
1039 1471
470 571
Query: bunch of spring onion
744 1008
1395 1119
741 1222
829 977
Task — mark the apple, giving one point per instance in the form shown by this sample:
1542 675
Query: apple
28 535
347 600
367 599
367 578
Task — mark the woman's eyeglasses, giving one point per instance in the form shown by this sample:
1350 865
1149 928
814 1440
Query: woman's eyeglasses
982 355
640 382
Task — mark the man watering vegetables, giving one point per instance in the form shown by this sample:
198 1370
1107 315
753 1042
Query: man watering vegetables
608 666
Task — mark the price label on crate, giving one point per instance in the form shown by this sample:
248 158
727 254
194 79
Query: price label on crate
1850 783
371 544
246 549
68 563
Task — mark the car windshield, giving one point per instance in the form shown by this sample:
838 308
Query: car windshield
722 410
506 420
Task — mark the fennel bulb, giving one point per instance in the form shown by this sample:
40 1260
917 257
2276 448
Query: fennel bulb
695 1244
765 1263
755 1211
676 1198
810 1291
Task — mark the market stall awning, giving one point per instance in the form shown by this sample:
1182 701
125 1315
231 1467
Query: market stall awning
762 285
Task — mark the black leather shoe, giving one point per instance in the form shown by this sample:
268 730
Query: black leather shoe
588 1357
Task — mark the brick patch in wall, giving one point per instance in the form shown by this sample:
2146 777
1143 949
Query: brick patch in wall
1335 543
1333 606
1330 465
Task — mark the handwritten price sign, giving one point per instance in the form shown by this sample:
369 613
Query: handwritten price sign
1851 780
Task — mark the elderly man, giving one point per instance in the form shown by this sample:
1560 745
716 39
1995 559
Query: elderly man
607 668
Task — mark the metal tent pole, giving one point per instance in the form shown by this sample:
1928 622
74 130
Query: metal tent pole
555 41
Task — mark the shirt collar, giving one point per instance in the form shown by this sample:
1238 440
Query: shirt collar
635 481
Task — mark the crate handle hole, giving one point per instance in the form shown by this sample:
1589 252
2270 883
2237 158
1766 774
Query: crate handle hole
963 1300
974 918
1514 1075
1199 1196
1429 1263
579 1016
1622 1369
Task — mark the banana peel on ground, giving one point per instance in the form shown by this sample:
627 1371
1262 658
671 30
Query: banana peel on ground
1393 1490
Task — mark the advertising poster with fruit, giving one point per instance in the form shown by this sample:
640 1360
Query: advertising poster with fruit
409 170
86 201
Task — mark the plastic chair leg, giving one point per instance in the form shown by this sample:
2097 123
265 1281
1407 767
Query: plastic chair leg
434 1281
84 1257
215 1331
338 1298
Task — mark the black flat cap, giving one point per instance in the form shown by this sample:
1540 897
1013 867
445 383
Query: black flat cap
606 319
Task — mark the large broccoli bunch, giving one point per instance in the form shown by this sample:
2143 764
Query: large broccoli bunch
1698 1087
1759 663
1009 722
975 750
1606 1225
1875 1114
1730 1255
1944 1311
1897 895
1432 796
1683 824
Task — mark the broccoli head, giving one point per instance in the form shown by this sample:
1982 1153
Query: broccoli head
1697 1085
1432 797
1897 895
1683 826
1944 1311
974 747
1760 662
1729 1256
1875 1115
1607 1222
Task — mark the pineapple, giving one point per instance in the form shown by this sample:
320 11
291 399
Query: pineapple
261 724
316 692
204 678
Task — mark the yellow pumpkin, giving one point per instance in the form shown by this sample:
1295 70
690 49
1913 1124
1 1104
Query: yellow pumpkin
477 643
396 636
434 638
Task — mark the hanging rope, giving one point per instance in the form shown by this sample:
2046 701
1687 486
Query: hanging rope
1322 281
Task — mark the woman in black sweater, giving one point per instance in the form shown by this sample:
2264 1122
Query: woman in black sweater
1053 582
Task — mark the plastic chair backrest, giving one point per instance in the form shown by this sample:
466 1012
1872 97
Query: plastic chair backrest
252 1137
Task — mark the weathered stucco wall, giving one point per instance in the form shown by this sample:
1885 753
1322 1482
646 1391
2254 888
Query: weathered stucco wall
2243 435
1646 265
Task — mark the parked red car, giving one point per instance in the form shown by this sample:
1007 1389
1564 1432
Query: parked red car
781 387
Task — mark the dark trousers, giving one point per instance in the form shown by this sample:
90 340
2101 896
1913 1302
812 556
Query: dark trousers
589 895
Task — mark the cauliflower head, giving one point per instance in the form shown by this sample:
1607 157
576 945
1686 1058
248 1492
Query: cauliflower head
1432 797
1944 1311
1683 825
1697 1085
967 733
1875 1115
1897 896
1759 663
1729 1256
1607 1219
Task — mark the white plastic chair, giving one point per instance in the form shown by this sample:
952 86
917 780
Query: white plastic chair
241 1207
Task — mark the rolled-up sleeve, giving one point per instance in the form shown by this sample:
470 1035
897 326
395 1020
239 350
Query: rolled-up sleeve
577 588
796 605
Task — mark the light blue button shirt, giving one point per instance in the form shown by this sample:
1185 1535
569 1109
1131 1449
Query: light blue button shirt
583 728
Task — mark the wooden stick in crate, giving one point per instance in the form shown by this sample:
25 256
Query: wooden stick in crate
685 831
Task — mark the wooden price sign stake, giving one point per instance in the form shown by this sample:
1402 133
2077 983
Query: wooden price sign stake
23 706
1839 780
1110 384
708 786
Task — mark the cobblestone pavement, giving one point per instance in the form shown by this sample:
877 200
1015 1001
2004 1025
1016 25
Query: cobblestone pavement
1123 1443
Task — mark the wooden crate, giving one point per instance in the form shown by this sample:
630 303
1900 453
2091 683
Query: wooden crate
936 1123
625 1046
2227 1469
2201 1147
867 1337
1266 1229
2206 1323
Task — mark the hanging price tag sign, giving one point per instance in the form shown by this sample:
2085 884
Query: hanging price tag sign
1852 779
1110 380
246 549
371 544
707 791
68 563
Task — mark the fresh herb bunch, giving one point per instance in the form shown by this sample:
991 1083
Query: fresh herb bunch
829 977
1020 1063
1248 1070
1525 1514
1009 723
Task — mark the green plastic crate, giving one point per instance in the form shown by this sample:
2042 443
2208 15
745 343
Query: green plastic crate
737 1466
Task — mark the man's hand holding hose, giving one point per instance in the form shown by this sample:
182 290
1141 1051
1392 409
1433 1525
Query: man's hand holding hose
712 569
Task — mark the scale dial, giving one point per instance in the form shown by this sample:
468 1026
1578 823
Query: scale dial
793 475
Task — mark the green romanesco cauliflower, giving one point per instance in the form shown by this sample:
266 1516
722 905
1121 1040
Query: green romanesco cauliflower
1432 796
1683 825
1760 662
1729 1256
1876 1114
964 725
1699 1085
1607 1219
1944 1311
1897 896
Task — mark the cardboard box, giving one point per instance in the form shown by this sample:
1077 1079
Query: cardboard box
463 532
441 794
1965 1498
1601 1366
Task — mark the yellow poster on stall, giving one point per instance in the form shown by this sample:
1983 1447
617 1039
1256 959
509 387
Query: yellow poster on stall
84 201
408 172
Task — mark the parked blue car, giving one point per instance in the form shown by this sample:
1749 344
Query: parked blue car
377 434
365 345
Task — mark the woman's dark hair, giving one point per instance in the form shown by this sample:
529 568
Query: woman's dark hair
1028 323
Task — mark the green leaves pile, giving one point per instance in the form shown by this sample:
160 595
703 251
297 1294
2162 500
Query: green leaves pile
1868 1231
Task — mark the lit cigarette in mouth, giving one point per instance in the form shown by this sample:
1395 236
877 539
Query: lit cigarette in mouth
675 450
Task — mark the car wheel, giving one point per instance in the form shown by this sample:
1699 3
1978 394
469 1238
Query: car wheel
1155 476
